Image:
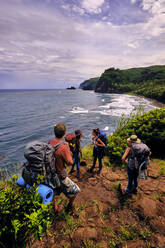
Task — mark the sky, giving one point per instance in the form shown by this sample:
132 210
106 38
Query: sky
61 43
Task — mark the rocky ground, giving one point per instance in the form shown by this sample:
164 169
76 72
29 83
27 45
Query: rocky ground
109 218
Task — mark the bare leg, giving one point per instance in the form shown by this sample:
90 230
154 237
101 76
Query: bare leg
70 207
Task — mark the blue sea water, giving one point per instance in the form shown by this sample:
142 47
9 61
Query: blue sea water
27 115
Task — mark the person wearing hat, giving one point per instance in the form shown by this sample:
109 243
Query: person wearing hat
131 170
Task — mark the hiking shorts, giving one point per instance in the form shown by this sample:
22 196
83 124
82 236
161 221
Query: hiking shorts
68 187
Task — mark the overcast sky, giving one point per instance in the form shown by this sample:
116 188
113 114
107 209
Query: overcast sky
59 43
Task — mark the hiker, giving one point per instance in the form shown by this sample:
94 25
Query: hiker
135 156
63 156
98 150
77 152
70 138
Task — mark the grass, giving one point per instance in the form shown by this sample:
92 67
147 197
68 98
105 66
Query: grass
89 244
82 207
116 186
129 232
104 216
106 229
71 224
161 172
87 152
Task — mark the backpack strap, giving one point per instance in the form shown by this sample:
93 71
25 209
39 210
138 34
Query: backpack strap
55 149
58 146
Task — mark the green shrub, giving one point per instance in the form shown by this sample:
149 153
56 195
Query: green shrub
22 215
87 152
149 127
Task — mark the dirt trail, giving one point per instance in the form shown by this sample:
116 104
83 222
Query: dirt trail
109 218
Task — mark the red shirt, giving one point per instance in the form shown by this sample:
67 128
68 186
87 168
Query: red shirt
62 156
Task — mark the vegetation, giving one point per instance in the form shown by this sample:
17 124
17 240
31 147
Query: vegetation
149 127
22 214
89 84
133 80
145 81
153 89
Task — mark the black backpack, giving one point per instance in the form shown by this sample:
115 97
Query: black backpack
40 161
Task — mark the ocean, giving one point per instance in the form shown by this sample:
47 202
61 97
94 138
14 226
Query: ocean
28 115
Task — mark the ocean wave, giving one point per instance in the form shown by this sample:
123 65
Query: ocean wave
79 110
122 105
106 128
107 106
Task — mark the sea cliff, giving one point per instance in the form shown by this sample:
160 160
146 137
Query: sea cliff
144 81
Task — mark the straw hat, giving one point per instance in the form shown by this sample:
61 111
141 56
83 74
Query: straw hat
134 139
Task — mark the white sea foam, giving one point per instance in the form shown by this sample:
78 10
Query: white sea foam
106 128
107 106
78 110
121 105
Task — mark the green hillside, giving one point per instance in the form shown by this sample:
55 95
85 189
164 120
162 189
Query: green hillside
146 81
89 84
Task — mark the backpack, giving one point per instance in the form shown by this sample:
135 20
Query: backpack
99 149
71 139
103 137
139 152
40 161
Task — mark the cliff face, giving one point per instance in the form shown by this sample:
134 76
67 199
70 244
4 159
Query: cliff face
89 84
144 81
120 81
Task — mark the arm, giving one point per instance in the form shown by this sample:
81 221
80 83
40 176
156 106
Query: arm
125 155
67 155
100 143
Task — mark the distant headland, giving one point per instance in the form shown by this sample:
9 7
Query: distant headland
143 81
71 88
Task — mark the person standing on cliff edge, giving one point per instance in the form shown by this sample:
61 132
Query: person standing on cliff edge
63 157
136 156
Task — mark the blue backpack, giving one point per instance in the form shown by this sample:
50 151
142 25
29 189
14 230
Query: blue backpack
103 137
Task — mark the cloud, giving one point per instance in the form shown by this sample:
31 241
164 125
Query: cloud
92 6
78 10
133 1
156 24
45 47
132 45
153 6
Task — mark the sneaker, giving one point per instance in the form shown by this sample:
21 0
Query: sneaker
72 211
134 191
127 191
78 176
142 175
98 172
71 171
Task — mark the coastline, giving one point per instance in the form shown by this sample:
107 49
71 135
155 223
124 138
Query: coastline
154 102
